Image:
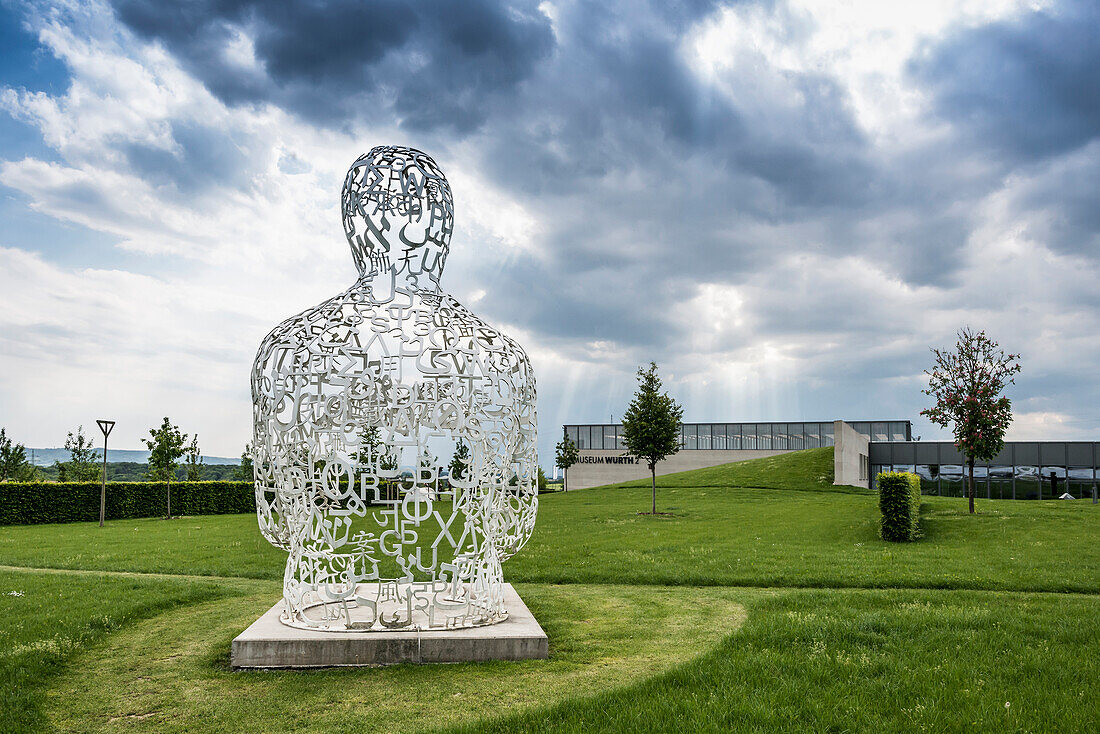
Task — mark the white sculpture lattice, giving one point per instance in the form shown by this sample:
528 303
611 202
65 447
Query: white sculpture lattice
379 376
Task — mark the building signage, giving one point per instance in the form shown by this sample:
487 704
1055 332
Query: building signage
608 460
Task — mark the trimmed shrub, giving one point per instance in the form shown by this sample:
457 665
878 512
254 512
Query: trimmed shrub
34 503
899 501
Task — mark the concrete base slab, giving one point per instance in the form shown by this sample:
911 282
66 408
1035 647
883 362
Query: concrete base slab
268 643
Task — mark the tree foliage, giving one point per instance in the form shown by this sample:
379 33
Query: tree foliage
460 462
967 384
195 464
166 446
566 455
13 461
427 463
244 472
388 462
373 452
651 424
82 465
370 444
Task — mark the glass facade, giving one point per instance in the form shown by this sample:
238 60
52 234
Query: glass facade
1082 481
1001 486
1024 470
742 436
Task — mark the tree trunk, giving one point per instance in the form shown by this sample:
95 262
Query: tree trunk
970 465
169 496
565 479
653 475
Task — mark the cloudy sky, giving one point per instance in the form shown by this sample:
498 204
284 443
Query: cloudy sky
784 204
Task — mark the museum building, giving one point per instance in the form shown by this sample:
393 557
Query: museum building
862 449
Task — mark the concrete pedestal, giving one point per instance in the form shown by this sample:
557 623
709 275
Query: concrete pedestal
268 643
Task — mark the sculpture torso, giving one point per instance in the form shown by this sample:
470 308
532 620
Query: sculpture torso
347 393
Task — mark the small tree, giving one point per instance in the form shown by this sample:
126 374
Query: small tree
388 463
566 455
369 446
244 472
13 461
428 465
166 446
651 425
460 463
195 464
82 465
543 482
967 385
371 449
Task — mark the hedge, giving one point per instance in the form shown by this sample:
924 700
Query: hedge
33 503
899 501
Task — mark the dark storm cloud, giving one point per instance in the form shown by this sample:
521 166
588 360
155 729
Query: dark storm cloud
1068 194
589 306
1028 90
619 97
646 178
1028 86
433 64
648 182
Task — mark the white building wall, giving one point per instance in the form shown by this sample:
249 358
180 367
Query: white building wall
594 469
851 464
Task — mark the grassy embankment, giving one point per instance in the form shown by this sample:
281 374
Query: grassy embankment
651 624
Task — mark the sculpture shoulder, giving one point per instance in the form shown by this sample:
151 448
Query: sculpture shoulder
346 311
409 324
485 335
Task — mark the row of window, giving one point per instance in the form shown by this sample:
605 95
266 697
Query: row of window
884 430
1001 481
1028 453
740 436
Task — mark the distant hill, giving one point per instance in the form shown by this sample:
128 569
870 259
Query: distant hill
46 457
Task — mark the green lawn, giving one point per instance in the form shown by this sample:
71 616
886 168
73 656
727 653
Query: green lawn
611 636
867 661
766 602
49 618
809 469
716 537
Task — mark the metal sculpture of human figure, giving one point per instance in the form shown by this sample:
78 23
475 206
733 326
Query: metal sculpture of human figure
348 392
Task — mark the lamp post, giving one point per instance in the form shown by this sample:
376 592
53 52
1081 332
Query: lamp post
106 427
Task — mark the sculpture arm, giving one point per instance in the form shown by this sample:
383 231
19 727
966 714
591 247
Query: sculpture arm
520 499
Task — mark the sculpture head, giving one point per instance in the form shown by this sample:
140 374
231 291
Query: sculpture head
398 215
